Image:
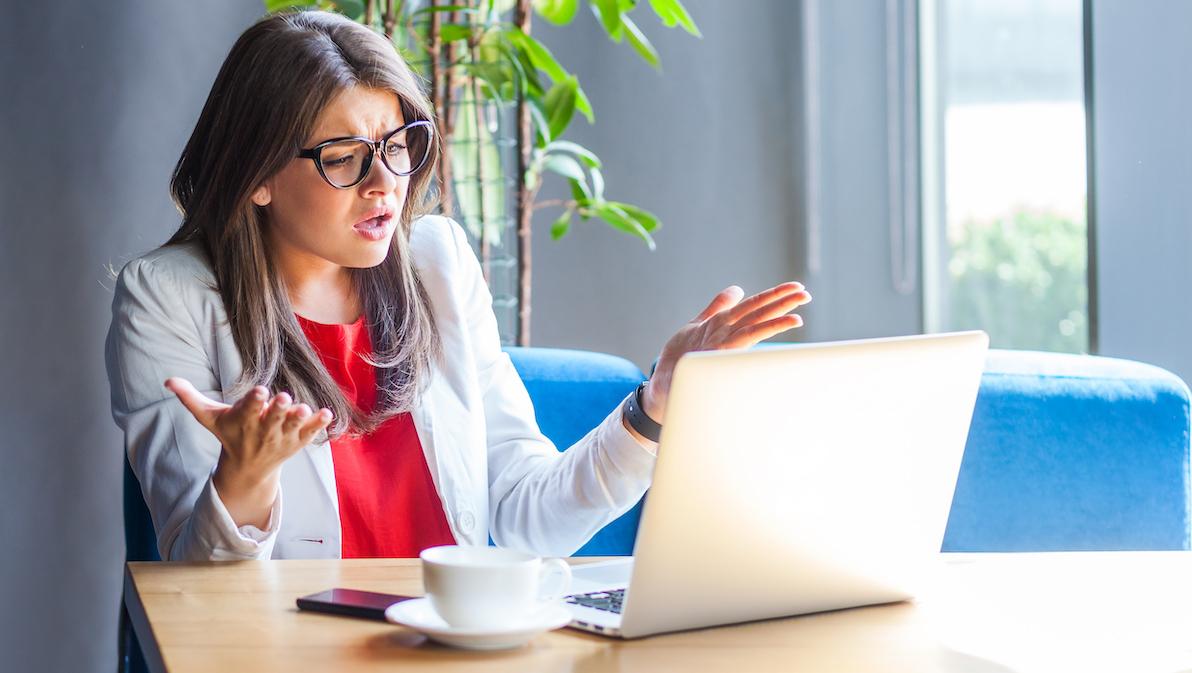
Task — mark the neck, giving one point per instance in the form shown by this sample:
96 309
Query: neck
318 289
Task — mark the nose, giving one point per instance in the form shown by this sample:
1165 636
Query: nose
380 180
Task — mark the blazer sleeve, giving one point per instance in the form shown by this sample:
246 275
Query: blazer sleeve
152 337
540 500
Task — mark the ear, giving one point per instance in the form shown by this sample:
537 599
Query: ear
262 196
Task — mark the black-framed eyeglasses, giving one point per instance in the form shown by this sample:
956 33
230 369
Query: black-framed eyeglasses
345 162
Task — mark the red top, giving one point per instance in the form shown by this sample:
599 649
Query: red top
388 506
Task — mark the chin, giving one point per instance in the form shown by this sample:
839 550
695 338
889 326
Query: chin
372 257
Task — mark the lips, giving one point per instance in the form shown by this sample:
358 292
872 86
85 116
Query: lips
375 229
383 212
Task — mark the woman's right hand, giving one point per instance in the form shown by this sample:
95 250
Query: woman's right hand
257 437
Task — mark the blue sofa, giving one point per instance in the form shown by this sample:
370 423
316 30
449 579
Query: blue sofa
1065 452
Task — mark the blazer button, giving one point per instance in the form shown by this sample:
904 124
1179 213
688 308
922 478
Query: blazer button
466 521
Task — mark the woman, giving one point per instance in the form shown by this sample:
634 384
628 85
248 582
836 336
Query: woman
306 265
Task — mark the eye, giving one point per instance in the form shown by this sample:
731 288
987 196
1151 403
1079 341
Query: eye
345 160
395 148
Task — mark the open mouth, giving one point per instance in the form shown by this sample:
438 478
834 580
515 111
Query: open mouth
375 228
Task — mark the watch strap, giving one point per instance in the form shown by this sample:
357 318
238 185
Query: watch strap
637 417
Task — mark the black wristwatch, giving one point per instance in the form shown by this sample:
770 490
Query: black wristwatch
634 413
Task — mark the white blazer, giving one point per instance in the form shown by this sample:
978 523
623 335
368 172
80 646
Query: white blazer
495 472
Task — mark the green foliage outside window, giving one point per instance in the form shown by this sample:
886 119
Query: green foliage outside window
1023 279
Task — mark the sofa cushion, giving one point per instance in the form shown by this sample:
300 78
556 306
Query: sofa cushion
1073 452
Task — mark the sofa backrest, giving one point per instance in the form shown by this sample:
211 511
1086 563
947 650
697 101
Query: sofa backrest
1074 452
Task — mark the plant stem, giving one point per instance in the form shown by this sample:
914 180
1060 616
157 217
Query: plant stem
446 169
525 205
390 17
555 202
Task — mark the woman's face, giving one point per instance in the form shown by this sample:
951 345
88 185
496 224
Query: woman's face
311 224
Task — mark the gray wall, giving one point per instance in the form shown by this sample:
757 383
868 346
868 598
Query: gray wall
710 145
98 101
1140 185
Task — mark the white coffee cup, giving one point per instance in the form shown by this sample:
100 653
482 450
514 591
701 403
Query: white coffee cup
482 587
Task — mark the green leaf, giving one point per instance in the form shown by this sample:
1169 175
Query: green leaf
274 6
489 45
597 184
560 105
647 219
541 125
559 227
353 9
610 17
673 12
580 192
527 76
584 154
564 165
558 12
584 105
453 32
640 43
619 219
494 76
526 66
539 55
541 58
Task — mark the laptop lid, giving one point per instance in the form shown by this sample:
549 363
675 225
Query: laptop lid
801 478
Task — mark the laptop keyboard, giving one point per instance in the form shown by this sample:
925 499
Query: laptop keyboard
609 601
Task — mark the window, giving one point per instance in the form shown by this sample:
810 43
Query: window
1004 171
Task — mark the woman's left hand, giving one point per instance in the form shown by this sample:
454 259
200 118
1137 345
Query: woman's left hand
727 323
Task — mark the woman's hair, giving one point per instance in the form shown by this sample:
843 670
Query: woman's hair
271 89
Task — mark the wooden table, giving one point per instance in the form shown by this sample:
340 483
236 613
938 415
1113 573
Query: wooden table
1115 611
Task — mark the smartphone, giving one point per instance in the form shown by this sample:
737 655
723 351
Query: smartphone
350 603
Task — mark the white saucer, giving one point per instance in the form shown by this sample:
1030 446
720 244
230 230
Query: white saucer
417 614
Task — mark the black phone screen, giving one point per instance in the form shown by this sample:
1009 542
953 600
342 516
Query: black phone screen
350 603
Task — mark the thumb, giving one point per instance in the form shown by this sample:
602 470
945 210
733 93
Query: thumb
203 408
727 297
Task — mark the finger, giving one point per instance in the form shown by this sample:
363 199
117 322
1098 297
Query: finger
276 413
761 299
295 418
723 299
314 424
750 336
247 411
203 408
774 309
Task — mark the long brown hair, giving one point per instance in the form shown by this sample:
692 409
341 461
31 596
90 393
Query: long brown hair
277 79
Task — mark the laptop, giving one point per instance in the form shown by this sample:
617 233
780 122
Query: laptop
792 479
